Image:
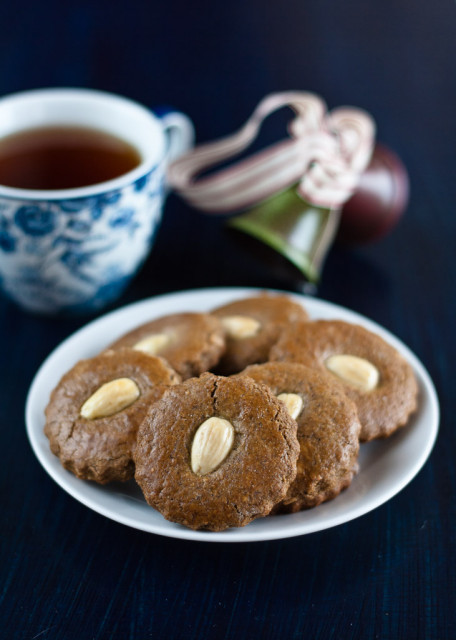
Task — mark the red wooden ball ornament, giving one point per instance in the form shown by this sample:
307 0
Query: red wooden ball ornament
379 201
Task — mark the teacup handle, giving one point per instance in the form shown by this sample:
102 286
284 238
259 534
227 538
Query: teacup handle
179 130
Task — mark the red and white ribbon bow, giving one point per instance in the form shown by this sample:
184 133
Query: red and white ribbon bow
324 155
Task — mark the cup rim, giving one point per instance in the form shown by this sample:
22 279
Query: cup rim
147 164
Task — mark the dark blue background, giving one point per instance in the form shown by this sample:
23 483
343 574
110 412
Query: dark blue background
66 572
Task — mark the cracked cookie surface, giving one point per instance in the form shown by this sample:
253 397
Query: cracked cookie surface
328 432
270 313
253 476
384 408
191 342
101 449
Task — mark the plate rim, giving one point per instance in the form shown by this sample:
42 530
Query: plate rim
65 479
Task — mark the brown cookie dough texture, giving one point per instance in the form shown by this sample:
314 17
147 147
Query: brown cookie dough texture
252 475
393 396
328 431
191 342
253 326
100 448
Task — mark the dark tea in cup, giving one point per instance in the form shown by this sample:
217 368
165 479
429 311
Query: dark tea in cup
63 157
82 189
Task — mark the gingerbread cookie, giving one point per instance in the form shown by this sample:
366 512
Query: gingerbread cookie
191 342
252 326
372 372
328 431
216 453
95 410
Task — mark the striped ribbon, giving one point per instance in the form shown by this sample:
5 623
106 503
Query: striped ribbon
325 154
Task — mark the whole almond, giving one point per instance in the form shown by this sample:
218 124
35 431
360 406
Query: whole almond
293 403
110 398
239 327
153 344
356 372
212 443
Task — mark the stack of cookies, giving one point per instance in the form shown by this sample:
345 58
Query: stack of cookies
226 416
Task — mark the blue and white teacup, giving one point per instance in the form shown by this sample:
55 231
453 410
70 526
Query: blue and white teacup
76 250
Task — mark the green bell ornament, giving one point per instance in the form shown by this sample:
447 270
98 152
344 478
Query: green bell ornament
300 232
288 196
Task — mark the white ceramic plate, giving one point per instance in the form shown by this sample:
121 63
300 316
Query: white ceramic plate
386 466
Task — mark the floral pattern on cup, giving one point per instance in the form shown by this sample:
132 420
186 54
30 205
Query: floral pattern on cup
100 241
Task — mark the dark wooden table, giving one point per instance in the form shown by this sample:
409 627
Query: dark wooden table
67 572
